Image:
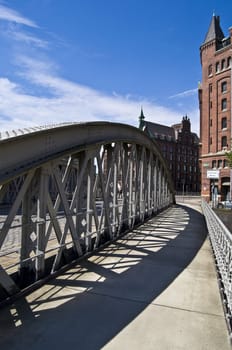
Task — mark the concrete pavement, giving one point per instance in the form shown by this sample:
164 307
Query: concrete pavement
155 288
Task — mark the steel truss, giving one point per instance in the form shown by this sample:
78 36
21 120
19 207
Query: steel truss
60 206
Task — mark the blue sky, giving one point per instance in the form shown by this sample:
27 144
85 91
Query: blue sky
86 60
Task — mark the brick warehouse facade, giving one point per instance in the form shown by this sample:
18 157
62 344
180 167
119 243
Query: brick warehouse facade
180 148
215 112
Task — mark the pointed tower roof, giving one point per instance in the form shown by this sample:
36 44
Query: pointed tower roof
141 114
215 32
141 119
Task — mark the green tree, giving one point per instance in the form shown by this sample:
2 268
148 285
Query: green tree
229 158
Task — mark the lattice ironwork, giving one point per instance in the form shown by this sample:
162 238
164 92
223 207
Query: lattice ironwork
59 206
221 240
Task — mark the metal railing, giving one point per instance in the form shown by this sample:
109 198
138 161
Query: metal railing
221 240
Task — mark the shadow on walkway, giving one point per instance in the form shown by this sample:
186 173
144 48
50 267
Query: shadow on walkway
89 305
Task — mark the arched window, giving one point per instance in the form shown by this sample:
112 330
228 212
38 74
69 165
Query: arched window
217 68
223 64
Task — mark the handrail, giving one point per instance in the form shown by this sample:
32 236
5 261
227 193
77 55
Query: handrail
221 240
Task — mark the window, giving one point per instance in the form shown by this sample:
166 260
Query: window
224 123
224 141
211 104
217 67
214 164
225 163
224 86
210 69
223 64
224 104
228 61
210 88
219 163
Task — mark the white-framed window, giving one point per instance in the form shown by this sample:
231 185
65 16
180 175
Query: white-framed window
224 86
224 104
224 141
224 123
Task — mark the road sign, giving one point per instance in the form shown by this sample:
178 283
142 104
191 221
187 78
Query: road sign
212 174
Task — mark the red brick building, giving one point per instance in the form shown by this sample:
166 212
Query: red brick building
180 148
215 111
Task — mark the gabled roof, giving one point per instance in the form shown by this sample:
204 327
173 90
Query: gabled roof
215 32
154 128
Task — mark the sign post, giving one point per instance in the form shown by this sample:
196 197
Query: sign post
213 174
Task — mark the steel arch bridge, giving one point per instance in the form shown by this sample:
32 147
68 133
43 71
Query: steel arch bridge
66 190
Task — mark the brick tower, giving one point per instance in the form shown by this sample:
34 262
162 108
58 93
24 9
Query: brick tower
215 112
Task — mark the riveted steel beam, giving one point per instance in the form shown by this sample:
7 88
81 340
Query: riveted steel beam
71 189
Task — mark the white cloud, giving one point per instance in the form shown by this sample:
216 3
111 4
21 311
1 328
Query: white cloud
69 102
60 100
29 39
186 93
10 15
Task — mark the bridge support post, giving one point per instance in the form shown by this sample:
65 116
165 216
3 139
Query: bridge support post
124 179
131 204
89 204
141 187
28 244
111 177
154 180
41 222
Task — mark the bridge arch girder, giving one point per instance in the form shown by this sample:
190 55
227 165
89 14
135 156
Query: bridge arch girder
70 190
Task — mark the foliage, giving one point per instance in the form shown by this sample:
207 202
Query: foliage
229 158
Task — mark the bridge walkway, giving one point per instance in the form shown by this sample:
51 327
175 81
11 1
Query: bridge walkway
155 288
